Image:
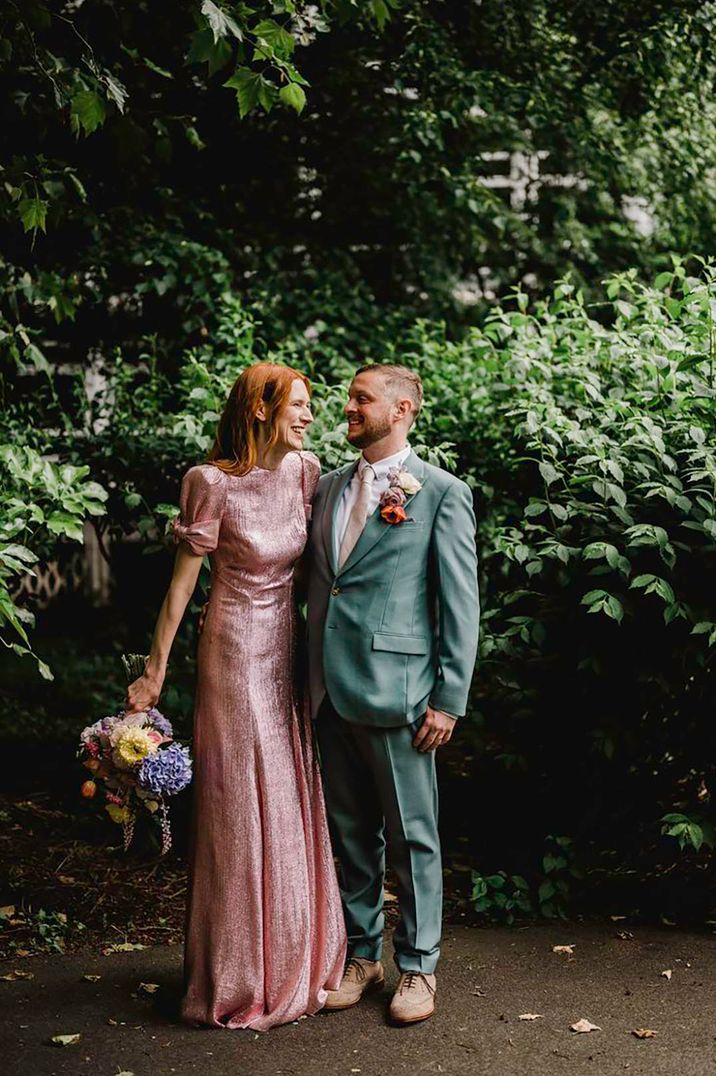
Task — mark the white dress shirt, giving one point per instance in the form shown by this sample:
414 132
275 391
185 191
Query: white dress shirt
350 493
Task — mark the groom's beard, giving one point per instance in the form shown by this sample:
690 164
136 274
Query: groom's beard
369 431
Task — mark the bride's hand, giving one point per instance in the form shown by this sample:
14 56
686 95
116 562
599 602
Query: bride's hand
143 693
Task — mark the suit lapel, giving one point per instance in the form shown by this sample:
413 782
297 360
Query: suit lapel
375 526
340 480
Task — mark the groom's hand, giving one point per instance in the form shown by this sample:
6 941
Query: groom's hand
435 730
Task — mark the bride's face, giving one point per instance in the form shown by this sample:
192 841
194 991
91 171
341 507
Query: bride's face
294 418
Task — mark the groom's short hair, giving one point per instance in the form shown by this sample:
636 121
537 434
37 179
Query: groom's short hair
399 380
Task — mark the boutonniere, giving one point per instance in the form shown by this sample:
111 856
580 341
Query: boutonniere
401 485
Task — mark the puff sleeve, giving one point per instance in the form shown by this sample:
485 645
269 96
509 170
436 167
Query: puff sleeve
202 501
311 473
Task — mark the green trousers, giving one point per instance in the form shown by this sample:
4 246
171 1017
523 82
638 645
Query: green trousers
378 786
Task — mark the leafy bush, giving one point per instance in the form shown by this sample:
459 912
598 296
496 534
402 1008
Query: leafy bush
40 501
588 434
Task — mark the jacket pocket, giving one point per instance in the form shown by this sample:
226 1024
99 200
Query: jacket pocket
401 644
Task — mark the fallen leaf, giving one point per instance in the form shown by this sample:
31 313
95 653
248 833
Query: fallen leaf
625 935
643 1033
123 947
7 911
23 952
65 879
148 988
583 1026
531 1016
65 1040
111 1022
666 974
92 978
11 976
617 918
568 949
124 1072
479 994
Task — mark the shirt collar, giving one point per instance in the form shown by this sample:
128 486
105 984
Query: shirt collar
381 467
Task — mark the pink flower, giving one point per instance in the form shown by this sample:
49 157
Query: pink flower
393 496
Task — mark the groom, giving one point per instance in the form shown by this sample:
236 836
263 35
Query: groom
392 634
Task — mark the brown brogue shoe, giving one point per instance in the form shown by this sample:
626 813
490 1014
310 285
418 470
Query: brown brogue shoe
359 977
414 1000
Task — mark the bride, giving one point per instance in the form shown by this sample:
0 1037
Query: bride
265 937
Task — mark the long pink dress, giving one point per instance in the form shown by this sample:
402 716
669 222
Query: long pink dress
265 937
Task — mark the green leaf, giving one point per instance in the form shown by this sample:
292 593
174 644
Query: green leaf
279 39
203 49
614 608
33 214
89 110
268 94
116 91
594 596
293 96
642 580
246 83
19 552
549 473
35 357
380 11
221 24
45 670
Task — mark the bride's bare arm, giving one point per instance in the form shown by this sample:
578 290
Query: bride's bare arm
145 691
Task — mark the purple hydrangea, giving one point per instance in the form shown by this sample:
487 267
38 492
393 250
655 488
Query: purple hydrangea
167 771
160 722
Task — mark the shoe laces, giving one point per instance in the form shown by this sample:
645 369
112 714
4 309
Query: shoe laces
411 980
354 965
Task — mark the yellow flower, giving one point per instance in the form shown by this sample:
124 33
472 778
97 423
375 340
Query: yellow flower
133 745
117 813
151 806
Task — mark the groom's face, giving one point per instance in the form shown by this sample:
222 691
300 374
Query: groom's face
369 410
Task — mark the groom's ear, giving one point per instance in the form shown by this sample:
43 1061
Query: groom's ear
403 407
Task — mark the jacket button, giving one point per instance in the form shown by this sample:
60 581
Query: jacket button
336 590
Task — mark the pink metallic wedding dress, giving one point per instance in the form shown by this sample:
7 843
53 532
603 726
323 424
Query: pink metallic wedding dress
264 937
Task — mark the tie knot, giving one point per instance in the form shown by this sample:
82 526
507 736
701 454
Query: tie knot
366 473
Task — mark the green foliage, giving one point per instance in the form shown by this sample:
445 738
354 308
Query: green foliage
689 832
40 501
505 897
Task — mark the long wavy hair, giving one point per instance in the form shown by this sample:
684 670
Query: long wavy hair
235 448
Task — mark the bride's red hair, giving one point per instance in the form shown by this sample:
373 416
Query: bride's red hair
235 448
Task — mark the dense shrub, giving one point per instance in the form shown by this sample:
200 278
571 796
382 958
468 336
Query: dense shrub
589 436
586 432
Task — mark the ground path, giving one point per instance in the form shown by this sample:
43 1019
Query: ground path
488 978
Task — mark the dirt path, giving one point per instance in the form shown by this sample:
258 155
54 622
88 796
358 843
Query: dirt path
488 978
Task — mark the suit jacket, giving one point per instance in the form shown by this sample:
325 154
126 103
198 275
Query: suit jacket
396 627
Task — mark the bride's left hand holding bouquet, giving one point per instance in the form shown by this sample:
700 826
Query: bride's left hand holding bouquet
135 762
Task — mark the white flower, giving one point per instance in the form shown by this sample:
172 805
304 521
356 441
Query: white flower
409 483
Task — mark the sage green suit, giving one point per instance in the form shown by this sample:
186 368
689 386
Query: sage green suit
391 631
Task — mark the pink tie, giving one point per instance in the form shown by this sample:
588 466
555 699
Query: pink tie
358 516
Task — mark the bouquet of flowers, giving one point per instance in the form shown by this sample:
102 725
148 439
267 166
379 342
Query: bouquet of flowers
135 762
